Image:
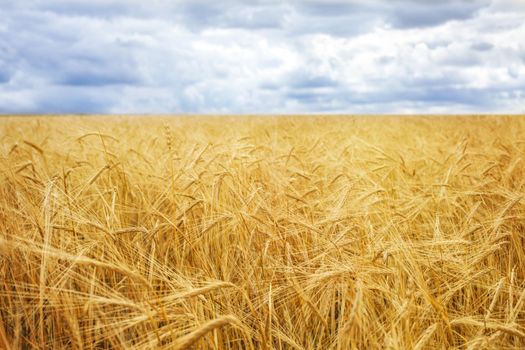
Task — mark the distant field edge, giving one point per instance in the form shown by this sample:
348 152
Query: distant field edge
258 115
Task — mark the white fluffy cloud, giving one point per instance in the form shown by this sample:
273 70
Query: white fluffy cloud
262 56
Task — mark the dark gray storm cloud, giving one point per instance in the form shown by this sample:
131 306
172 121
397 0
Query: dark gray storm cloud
160 56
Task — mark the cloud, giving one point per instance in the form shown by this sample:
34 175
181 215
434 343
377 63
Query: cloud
4 75
262 57
412 13
398 14
482 46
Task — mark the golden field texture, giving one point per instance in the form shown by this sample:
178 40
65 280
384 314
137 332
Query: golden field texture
262 232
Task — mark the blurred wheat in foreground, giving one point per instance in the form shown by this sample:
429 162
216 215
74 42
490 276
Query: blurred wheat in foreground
262 233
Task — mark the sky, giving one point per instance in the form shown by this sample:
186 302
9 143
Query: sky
264 57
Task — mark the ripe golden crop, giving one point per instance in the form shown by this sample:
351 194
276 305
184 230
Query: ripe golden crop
262 232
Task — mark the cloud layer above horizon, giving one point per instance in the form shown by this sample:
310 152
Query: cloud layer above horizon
312 56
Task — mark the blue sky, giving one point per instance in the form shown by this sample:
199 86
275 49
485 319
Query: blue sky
312 56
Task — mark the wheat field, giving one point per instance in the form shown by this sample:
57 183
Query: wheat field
262 232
